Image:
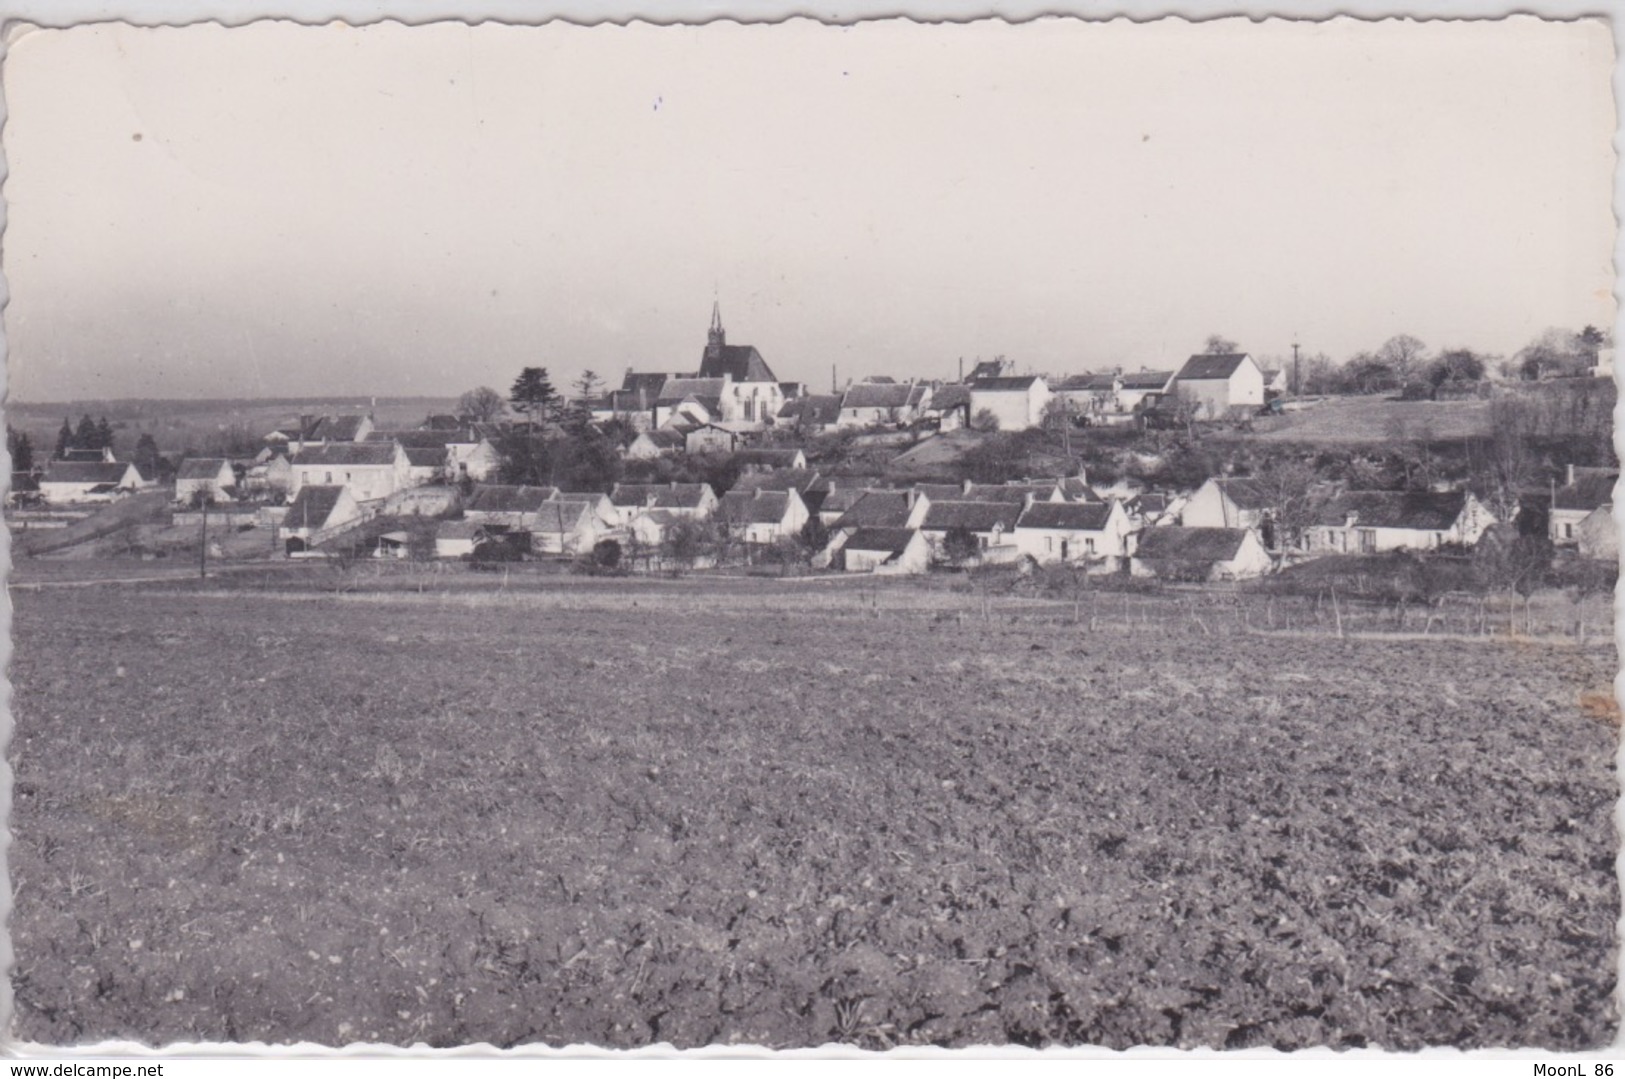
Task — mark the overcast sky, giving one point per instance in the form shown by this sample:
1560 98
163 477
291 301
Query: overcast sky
283 210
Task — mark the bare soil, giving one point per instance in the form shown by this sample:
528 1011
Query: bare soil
621 815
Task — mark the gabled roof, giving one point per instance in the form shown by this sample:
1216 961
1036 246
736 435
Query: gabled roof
458 530
972 516
1146 380
85 471
892 541
1097 383
1422 511
1005 384
561 516
1014 493
1067 516
667 438
778 458
506 498
1587 492
742 363
877 509
339 428
664 495
950 397
438 437
1247 493
985 370
1212 365
704 390
201 468
1190 544
313 505
941 492
814 409
426 456
346 453
754 507
842 499
877 395
783 479
1074 489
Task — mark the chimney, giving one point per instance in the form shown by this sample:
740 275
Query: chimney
964 486
1570 482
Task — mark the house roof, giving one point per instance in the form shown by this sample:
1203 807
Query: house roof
754 507
1422 511
1014 493
783 479
85 471
1146 380
842 499
1005 384
877 395
941 492
201 468
667 438
438 437
1074 489
892 541
950 397
742 363
1190 544
1246 492
664 495
766 455
506 498
973 516
984 370
339 428
1587 492
877 509
458 529
704 390
313 505
1067 516
347 453
441 421
560 516
1093 382
820 409
426 456
1212 365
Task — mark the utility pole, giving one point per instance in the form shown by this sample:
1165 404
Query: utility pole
203 543
1297 386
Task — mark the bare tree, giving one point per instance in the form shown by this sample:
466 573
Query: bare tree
481 404
1295 494
1219 345
1503 462
1405 356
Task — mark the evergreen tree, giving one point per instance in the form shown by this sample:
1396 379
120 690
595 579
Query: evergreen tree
533 394
104 435
85 437
146 456
21 450
64 439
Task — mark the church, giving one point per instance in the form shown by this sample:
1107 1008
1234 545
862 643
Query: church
734 386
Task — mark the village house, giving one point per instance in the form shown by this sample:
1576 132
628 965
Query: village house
878 509
318 513
1200 554
711 438
566 527
1274 381
270 474
1599 535
425 465
883 551
1584 491
1142 389
507 507
1077 489
948 407
691 500
1090 532
1370 522
1015 403
691 402
812 414
1215 383
466 453
876 403
315 430
372 470
208 478
457 539
658 442
1233 502
992 524
806 482
770 459
762 517
1089 395
1149 509
66 482
604 511
652 528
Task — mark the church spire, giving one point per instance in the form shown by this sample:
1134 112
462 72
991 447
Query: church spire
715 339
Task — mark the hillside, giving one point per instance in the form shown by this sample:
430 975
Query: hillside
1355 420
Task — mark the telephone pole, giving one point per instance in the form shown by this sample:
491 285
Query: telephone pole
1297 386
203 544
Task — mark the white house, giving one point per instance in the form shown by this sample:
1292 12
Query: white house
315 430
457 539
761 517
884 551
1584 491
466 452
1217 382
1369 522
372 470
868 404
1200 554
1139 390
319 512
204 477
87 481
1232 502
1015 402
992 524
692 500
1074 532
505 506
564 527
658 442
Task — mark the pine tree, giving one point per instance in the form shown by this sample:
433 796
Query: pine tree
85 437
533 394
146 456
104 435
64 439
21 450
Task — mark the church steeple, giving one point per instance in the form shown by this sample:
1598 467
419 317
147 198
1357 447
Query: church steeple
715 339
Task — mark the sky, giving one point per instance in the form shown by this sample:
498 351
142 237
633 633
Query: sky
282 210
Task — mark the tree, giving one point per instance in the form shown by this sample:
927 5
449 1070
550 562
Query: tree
1368 374
1295 494
482 404
1404 356
533 395
1502 464
1456 365
587 384
85 437
64 439
21 450
1320 374
811 540
606 554
1218 345
104 435
685 541
145 457
984 420
959 545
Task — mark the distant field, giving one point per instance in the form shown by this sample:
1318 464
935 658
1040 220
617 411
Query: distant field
632 812
1370 419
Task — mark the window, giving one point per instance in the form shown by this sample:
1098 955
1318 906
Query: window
1568 530
1049 544
1089 545
1368 540
330 477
